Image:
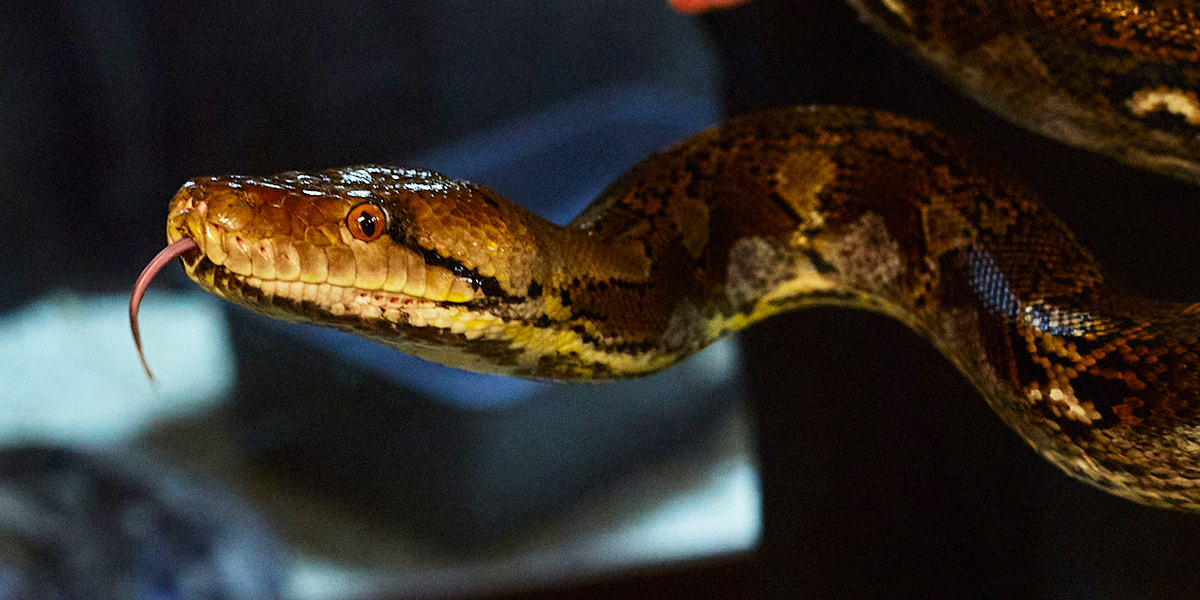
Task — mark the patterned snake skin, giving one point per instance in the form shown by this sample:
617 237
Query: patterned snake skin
778 211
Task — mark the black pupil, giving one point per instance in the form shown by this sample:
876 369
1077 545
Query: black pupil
366 223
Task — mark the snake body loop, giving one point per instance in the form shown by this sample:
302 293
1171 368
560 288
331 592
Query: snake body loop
779 211
1116 77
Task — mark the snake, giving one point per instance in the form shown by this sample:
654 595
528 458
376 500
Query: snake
779 211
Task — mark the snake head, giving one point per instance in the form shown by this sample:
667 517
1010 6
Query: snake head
377 251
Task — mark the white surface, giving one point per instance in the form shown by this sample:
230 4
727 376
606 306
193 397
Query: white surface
691 507
69 371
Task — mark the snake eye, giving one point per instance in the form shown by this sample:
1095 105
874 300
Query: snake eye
366 222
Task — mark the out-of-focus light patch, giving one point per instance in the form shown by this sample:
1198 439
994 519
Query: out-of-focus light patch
720 517
69 371
314 580
709 507
688 508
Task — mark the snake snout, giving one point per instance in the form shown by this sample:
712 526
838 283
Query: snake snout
187 214
232 221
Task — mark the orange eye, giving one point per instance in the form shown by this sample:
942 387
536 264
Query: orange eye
366 222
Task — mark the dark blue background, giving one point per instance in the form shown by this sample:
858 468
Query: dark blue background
885 474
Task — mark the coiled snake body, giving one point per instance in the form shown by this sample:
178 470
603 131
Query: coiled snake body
764 214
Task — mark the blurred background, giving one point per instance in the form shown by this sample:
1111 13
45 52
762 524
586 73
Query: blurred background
827 454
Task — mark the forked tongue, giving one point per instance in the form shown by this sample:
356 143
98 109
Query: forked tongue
143 281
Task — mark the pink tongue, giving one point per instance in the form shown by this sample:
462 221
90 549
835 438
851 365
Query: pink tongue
143 281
